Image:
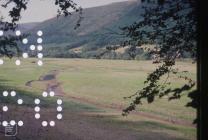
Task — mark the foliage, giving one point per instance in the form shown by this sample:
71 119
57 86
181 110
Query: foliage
171 27
9 42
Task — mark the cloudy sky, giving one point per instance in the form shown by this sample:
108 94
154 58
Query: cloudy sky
40 10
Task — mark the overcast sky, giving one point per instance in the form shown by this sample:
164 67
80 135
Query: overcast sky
40 10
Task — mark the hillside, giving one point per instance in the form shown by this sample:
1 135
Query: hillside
98 29
27 26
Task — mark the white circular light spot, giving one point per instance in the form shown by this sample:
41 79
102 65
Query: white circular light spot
25 55
40 55
18 33
37 101
52 123
1 33
37 109
19 101
25 41
17 62
20 123
59 101
39 33
52 93
5 93
59 116
45 94
13 93
1 62
37 116
5 108
4 123
44 123
59 108
40 63
32 47
12 122
39 40
40 47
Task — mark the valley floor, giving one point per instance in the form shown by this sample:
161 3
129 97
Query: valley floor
93 92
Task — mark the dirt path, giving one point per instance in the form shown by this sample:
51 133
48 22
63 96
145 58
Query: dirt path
54 85
76 126
51 82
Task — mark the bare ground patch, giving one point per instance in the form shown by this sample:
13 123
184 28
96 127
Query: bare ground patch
74 126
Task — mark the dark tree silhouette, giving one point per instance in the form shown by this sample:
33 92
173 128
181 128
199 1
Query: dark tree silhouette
170 25
8 44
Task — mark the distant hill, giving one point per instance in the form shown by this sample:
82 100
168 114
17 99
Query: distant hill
98 29
27 26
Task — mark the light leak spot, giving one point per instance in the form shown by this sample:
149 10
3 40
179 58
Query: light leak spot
20 123
44 94
18 62
4 123
12 122
37 101
52 93
1 62
44 123
1 33
32 47
37 109
40 47
59 101
13 93
25 41
40 63
25 55
18 33
59 108
5 93
5 108
52 123
20 101
37 116
59 116
39 40
39 33
40 55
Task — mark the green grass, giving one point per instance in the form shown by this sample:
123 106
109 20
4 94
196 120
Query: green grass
153 126
108 81
105 82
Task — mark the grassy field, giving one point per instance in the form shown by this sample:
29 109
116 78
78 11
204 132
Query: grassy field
96 89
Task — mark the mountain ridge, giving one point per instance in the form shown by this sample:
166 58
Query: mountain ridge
98 29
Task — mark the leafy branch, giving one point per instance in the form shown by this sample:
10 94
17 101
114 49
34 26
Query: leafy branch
171 27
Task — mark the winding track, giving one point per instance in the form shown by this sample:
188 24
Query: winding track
53 85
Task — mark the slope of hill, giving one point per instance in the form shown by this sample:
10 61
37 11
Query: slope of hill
27 26
98 28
